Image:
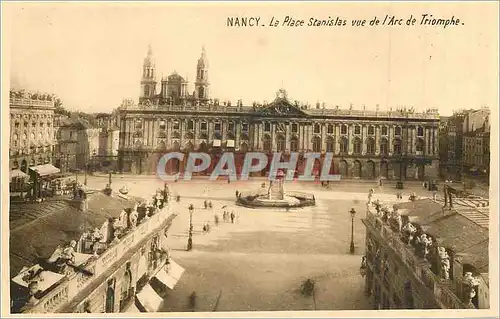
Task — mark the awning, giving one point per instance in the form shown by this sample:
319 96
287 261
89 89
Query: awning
17 173
45 169
166 279
149 299
230 143
216 143
45 279
175 270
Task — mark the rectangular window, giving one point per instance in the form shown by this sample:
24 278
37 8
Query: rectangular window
244 127
162 125
371 130
384 130
218 126
317 128
343 129
231 127
295 128
176 125
357 129
330 129
267 127
203 126
190 125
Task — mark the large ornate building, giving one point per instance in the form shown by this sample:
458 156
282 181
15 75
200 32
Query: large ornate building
32 138
398 144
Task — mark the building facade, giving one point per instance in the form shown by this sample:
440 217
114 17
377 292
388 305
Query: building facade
116 255
421 256
32 136
109 138
77 144
465 144
367 144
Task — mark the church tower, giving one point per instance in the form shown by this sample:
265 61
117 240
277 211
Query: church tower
148 81
201 85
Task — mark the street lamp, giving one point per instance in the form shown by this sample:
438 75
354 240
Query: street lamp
353 214
190 238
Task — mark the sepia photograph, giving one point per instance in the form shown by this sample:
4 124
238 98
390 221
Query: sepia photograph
247 159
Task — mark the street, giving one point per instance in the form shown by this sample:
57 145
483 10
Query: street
260 261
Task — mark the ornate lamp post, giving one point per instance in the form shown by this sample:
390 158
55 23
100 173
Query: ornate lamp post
353 214
190 238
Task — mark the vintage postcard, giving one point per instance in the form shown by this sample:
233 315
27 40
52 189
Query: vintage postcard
243 159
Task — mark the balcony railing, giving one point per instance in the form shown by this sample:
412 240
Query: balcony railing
420 267
70 287
30 102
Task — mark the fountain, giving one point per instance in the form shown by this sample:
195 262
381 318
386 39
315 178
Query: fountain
274 195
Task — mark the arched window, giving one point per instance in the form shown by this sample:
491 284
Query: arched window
317 128
344 146
330 144
383 146
370 146
357 145
294 144
267 143
280 143
397 146
316 144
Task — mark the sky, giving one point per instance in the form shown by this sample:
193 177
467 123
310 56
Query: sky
91 54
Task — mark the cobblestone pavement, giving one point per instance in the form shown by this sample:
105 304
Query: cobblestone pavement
259 262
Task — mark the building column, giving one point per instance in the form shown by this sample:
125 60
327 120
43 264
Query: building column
323 137
287 136
337 138
273 137
390 140
413 144
350 136
377 139
364 137
237 126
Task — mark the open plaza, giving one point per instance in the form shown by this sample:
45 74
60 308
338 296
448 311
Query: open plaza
260 261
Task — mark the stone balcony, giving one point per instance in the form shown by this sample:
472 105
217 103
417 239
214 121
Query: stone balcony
443 290
30 102
71 286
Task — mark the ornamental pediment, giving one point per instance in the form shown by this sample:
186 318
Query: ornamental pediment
281 106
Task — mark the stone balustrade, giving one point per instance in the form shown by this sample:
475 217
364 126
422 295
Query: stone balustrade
30 102
420 267
71 286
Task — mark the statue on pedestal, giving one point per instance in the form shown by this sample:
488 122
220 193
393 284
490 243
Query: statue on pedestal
445 263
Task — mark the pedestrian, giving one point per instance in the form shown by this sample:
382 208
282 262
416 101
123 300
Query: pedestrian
224 216
208 227
434 195
237 193
192 301
232 217
205 228
210 204
205 204
216 220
